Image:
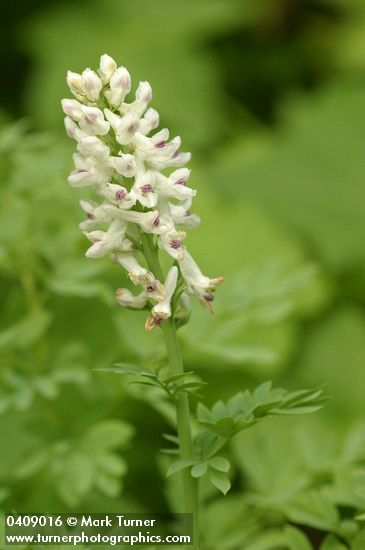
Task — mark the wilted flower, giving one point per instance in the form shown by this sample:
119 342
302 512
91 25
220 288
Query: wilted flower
162 310
123 164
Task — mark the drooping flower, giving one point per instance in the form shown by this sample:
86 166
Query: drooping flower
126 299
162 310
124 158
198 284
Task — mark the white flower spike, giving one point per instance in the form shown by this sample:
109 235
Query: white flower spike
141 207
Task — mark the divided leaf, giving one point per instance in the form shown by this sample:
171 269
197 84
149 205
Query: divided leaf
180 465
128 368
246 408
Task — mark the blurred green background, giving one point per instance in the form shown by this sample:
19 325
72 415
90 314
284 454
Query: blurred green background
269 96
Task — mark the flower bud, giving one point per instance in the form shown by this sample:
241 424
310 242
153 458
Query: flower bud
120 86
95 215
183 310
150 121
91 84
113 119
127 128
72 108
179 159
107 68
144 93
73 130
93 121
124 127
93 146
74 82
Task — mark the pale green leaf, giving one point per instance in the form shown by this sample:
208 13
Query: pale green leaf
199 470
128 368
220 481
180 465
219 463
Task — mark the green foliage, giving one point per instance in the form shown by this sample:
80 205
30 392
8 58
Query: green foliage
242 411
273 111
78 466
256 316
245 408
170 385
315 483
172 21
40 368
290 177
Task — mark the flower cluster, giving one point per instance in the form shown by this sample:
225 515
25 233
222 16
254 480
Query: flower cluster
127 168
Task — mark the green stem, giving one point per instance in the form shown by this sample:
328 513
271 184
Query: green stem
34 305
151 255
190 485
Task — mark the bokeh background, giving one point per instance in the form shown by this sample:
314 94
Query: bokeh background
270 98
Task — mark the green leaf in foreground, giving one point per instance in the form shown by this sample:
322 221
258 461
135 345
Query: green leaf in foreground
246 408
180 465
128 368
220 481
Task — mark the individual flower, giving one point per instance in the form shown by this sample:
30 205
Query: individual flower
139 275
91 84
95 215
182 215
119 86
162 310
116 195
124 164
107 68
107 241
125 127
143 97
144 189
91 146
126 299
172 243
175 185
89 171
150 121
198 284
93 122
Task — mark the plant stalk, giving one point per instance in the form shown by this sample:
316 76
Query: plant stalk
190 485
